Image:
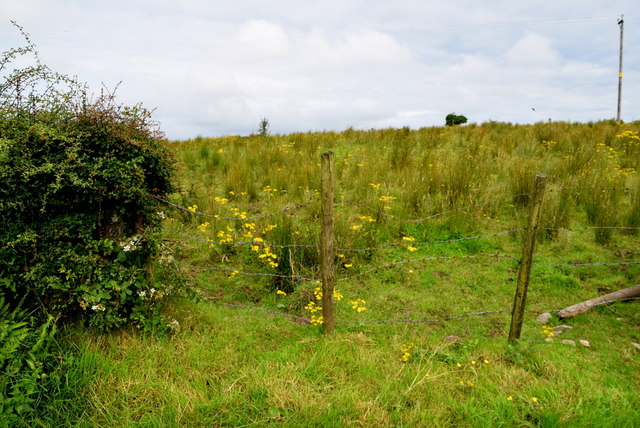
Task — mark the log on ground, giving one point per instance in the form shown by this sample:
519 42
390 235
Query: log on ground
611 297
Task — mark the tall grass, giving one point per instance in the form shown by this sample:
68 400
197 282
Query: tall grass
416 174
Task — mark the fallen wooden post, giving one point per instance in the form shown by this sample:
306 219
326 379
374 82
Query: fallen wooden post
611 297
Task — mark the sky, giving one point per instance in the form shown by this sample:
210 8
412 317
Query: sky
212 68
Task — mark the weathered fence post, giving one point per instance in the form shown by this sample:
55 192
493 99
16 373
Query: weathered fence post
528 248
327 244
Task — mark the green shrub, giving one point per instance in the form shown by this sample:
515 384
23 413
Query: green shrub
80 177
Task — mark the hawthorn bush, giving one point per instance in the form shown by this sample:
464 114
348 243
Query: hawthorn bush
79 181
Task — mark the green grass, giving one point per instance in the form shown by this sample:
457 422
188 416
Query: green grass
235 367
246 367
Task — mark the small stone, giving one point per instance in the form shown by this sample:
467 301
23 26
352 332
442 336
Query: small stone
543 318
585 343
549 340
637 345
619 319
452 339
557 332
569 342
563 327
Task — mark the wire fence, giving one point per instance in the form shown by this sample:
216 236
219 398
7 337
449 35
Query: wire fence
408 320
619 189
231 272
235 272
237 218
237 243
432 216
424 259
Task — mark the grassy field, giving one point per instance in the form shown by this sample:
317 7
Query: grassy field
399 195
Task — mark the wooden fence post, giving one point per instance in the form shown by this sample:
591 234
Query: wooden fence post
528 248
327 244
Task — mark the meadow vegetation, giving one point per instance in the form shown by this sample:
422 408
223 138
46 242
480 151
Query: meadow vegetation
101 232
399 194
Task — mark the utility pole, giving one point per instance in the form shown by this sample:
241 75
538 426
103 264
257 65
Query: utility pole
621 24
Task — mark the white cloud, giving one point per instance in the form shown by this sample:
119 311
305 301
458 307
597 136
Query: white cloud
533 50
217 67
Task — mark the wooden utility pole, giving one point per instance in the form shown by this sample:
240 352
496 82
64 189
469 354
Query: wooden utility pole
621 24
327 244
528 248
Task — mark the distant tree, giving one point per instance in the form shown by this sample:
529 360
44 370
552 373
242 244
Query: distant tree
263 127
454 119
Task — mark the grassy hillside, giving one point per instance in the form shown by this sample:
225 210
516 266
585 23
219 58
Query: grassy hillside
429 229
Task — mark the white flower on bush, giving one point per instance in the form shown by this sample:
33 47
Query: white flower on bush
152 294
130 244
98 308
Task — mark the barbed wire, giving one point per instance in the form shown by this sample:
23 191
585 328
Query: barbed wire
258 217
445 241
390 246
424 321
271 311
573 229
238 243
306 320
422 259
585 264
382 213
623 189
237 272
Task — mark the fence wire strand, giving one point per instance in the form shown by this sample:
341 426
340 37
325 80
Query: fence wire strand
423 321
573 229
585 264
445 241
237 272
422 259
306 320
419 220
238 243
258 217
621 189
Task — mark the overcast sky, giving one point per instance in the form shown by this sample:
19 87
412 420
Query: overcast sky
217 67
